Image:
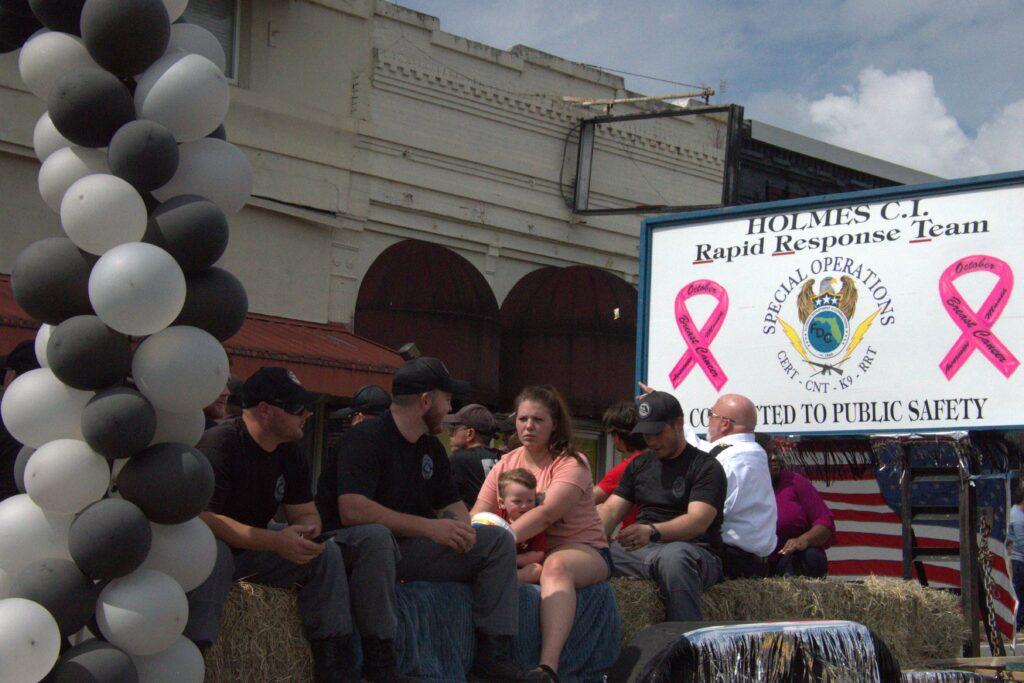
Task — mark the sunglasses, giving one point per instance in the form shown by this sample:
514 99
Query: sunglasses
292 408
721 417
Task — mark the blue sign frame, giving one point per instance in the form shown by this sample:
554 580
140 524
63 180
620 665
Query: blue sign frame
650 225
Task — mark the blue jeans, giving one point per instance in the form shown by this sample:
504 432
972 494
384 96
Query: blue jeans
812 563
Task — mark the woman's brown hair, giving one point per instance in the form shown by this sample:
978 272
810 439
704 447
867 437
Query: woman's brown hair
561 442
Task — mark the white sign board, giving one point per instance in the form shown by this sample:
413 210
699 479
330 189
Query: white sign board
894 311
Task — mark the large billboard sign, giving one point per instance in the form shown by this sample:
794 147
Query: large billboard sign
886 310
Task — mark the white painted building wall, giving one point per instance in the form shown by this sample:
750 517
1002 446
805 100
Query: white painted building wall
367 124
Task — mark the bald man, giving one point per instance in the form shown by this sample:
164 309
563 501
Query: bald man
748 530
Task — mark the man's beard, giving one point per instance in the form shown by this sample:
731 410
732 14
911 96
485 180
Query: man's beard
433 419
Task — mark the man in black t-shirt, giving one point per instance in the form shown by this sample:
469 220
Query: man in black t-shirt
250 455
392 473
679 491
469 433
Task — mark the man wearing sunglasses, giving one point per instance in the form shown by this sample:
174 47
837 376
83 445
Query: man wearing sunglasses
750 513
257 466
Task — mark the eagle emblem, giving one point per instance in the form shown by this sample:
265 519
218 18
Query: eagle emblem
825 317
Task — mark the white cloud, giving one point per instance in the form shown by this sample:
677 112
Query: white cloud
900 117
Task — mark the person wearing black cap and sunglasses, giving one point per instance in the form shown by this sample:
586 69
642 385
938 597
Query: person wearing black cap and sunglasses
393 475
370 401
250 455
679 492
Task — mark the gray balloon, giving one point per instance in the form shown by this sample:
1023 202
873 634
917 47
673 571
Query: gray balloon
170 482
50 280
190 228
58 15
94 661
60 587
118 422
109 539
125 36
19 466
215 301
86 354
89 105
143 153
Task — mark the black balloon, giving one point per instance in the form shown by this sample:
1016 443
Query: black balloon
144 153
215 301
20 463
18 8
89 105
118 423
60 587
15 28
94 661
170 482
190 228
50 280
125 36
109 539
86 354
220 133
58 15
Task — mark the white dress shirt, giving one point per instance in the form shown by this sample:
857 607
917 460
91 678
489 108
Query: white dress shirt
750 513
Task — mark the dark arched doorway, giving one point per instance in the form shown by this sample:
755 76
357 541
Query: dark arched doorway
572 327
425 293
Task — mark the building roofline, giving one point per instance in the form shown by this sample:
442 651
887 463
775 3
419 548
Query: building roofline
787 139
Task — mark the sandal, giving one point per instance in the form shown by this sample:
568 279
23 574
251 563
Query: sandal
549 672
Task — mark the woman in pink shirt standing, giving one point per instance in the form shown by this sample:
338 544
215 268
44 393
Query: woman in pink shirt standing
577 549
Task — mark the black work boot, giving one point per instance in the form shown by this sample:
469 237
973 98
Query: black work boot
332 660
380 663
493 661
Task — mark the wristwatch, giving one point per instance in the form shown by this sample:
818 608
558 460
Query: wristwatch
655 534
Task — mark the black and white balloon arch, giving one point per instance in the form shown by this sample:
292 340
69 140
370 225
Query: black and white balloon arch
135 162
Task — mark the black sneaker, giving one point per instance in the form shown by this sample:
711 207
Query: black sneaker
331 660
380 663
493 661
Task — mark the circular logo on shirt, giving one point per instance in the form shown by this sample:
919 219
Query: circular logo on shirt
679 487
427 467
279 489
644 410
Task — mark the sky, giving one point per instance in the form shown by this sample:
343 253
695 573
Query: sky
935 85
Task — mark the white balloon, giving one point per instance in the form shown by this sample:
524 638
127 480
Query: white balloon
180 369
214 169
29 641
185 552
46 139
65 166
65 475
47 56
42 339
143 613
101 211
37 407
196 39
185 92
28 533
180 663
137 288
186 428
175 8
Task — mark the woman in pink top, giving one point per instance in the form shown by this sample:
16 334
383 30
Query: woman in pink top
577 549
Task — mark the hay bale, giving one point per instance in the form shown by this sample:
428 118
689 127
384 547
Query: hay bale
261 639
917 623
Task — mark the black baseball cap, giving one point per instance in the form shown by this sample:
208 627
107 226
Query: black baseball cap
424 374
656 410
369 400
277 386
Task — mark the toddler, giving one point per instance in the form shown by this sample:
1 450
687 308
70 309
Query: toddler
517 495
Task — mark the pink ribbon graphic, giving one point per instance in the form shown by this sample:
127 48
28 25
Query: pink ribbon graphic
976 326
698 341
